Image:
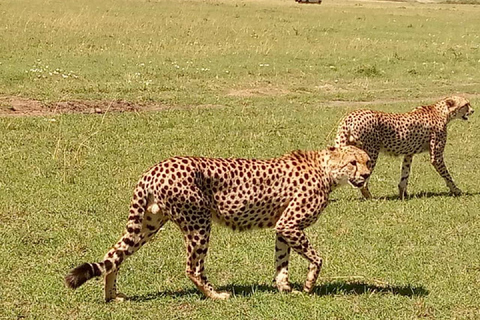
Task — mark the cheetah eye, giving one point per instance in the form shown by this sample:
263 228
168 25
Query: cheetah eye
353 162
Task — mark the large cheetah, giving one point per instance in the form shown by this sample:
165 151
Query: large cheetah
423 129
286 193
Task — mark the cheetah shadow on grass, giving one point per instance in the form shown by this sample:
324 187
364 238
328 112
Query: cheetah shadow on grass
361 287
325 289
428 194
336 288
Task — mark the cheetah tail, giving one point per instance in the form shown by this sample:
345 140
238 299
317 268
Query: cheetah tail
79 275
127 244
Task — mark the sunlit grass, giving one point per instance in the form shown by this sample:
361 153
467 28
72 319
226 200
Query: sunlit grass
67 184
269 70
197 52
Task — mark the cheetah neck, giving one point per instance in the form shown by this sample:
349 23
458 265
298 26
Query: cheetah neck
323 161
319 159
443 112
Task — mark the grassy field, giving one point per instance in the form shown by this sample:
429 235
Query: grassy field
217 52
246 79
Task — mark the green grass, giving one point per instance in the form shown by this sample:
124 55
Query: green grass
66 180
67 184
206 52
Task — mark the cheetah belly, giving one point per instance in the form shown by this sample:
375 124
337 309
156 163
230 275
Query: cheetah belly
242 214
400 144
402 137
401 149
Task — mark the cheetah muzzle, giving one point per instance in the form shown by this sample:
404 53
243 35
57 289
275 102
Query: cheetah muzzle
468 114
286 193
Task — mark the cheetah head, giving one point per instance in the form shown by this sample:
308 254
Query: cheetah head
349 164
458 107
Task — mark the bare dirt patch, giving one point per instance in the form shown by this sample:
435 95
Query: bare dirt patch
17 106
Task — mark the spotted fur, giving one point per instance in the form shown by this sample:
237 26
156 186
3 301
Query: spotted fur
420 130
286 193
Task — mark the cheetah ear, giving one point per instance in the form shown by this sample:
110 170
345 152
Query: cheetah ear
450 103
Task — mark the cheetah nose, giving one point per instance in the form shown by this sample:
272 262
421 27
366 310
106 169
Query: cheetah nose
365 176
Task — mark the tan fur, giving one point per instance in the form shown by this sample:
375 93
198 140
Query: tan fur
286 193
420 130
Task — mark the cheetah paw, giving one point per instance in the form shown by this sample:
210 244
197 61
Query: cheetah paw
119 297
284 288
221 296
456 191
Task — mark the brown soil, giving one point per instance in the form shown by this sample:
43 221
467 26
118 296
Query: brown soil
16 106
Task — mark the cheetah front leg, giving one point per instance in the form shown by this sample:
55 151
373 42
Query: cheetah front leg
282 255
297 216
373 153
402 186
297 240
437 147
366 192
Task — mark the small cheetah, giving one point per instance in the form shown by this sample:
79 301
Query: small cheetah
286 193
423 129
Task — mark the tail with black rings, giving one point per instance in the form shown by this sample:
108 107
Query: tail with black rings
128 243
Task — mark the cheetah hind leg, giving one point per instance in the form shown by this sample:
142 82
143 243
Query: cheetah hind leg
152 222
110 282
196 242
402 185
